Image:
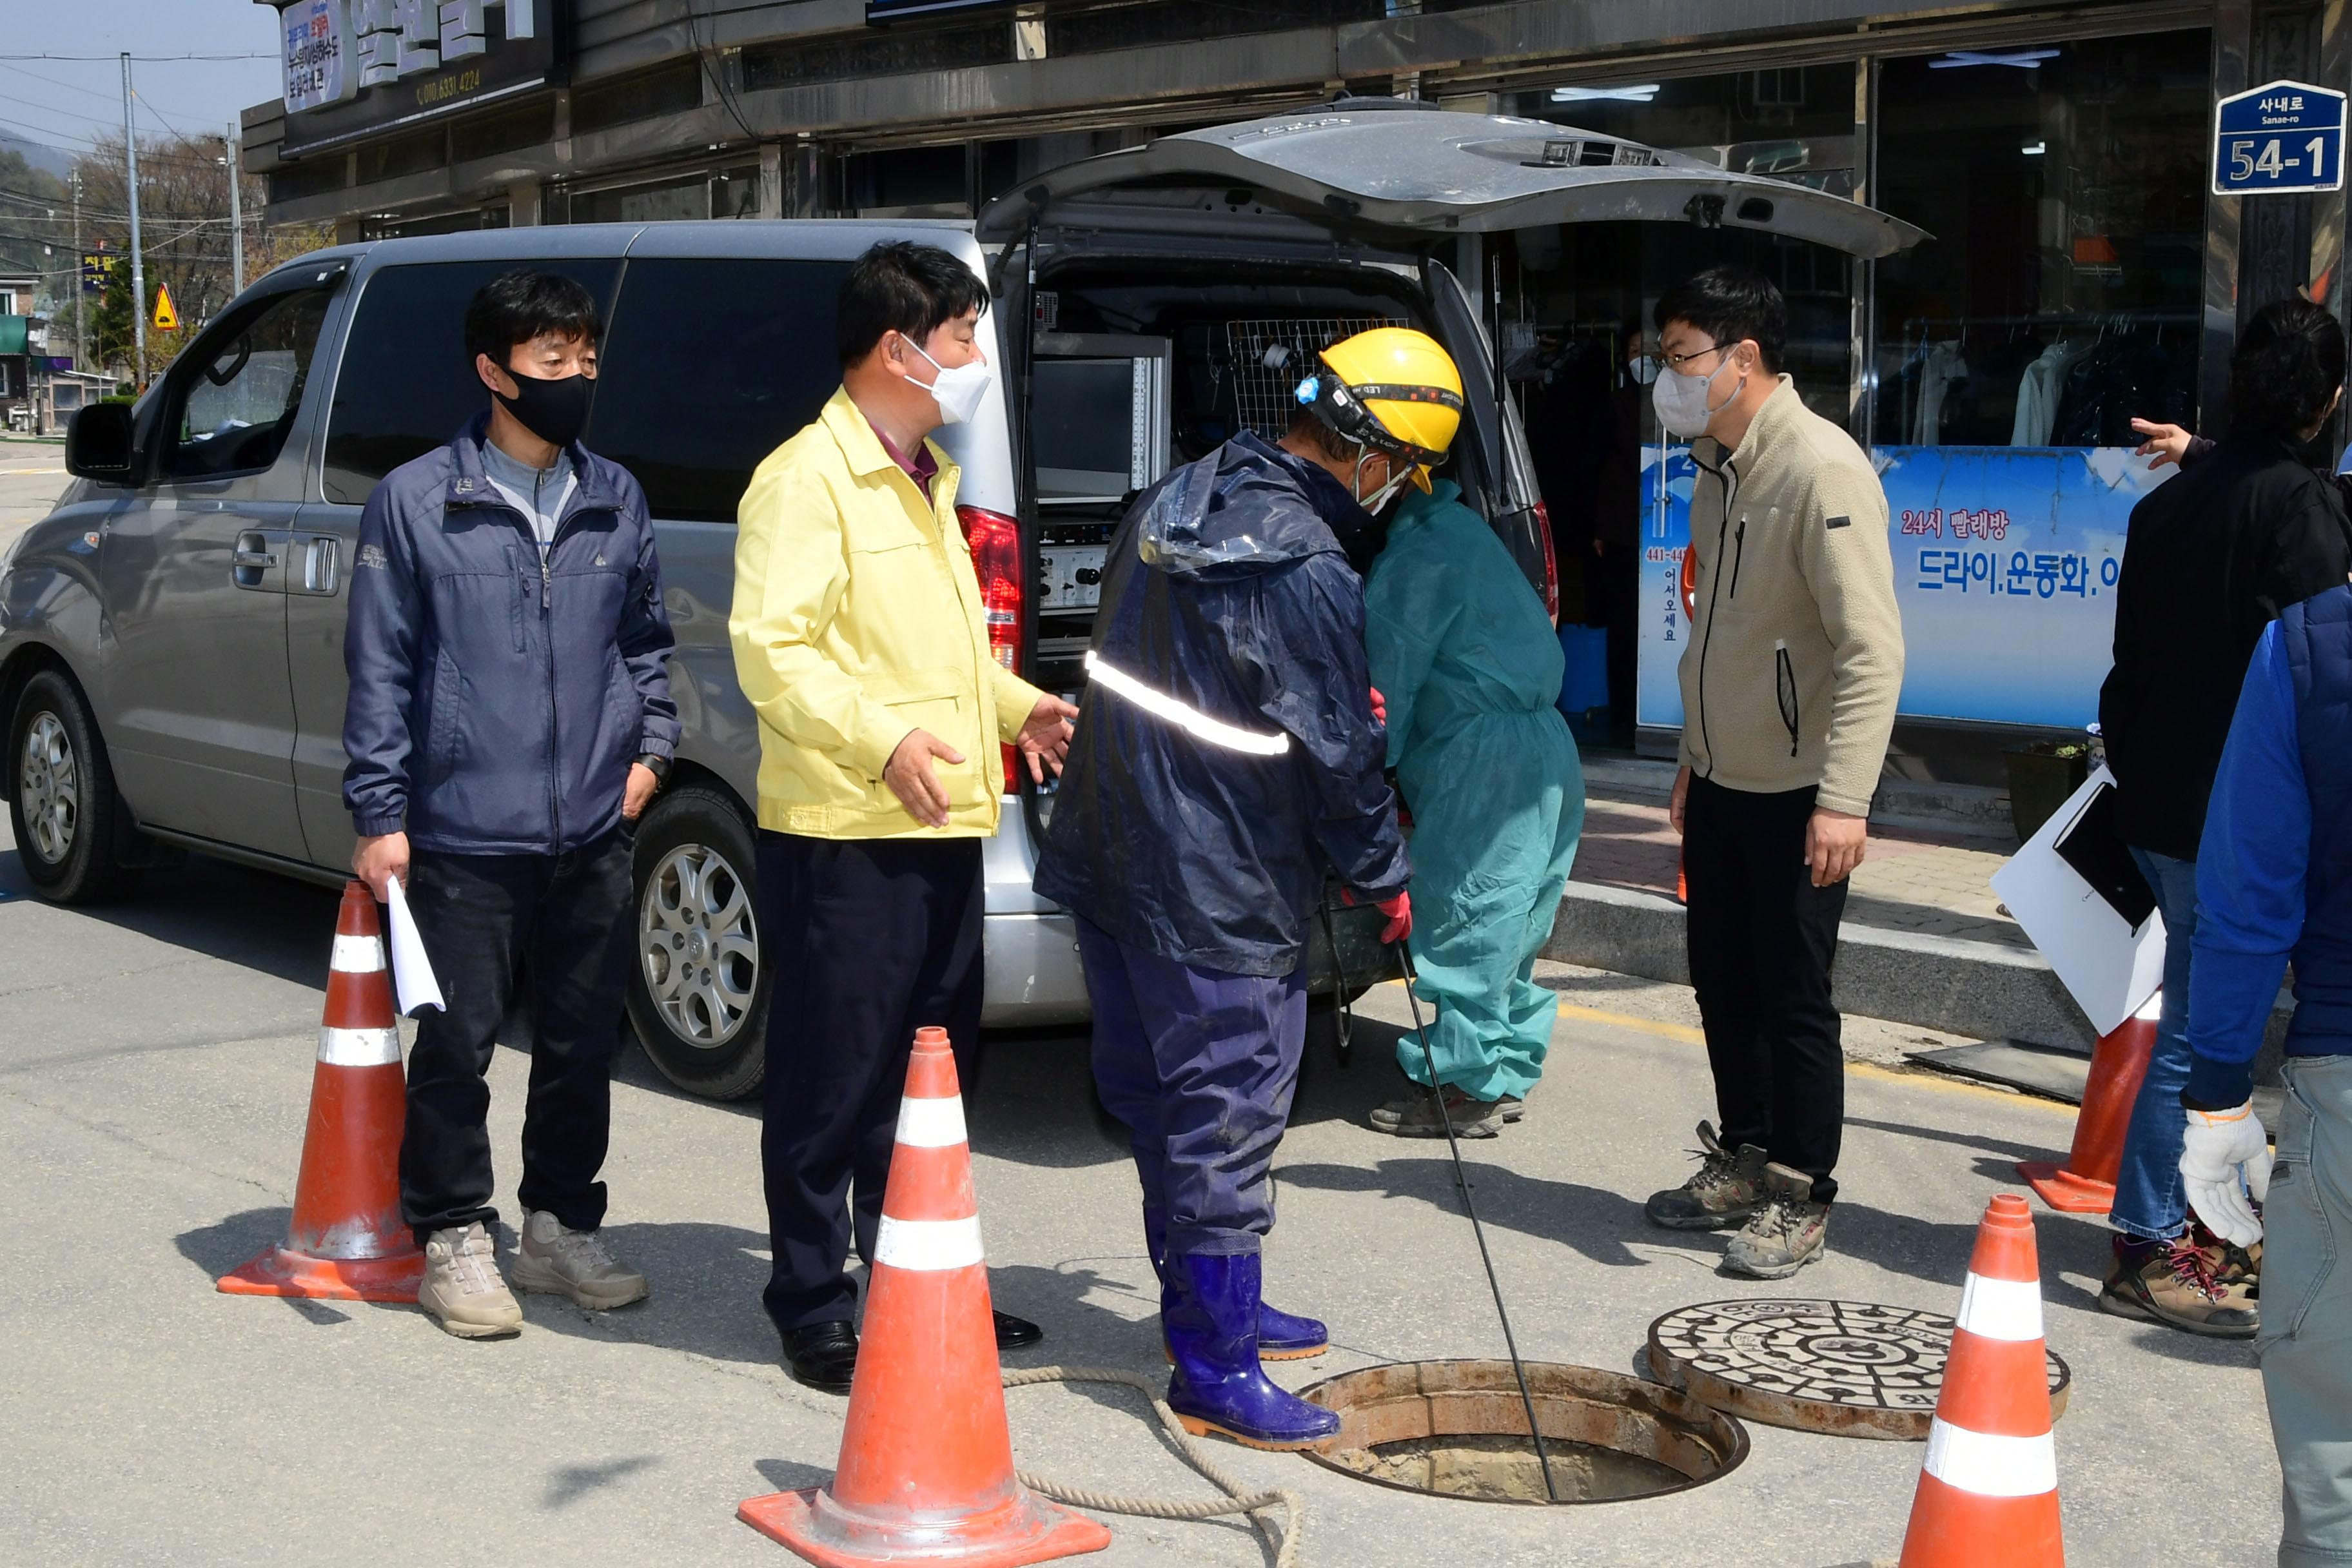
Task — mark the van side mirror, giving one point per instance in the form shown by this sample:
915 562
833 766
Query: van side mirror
99 444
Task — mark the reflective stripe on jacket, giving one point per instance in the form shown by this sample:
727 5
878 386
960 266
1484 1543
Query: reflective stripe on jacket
857 619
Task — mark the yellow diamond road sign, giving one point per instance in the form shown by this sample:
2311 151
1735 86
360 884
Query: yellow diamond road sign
166 318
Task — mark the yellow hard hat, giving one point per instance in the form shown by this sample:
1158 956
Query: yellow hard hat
1392 389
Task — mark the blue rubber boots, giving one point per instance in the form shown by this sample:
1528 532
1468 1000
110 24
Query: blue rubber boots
1281 1336
1209 1313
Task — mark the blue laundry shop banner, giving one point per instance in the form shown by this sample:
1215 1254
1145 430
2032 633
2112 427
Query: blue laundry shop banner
2005 566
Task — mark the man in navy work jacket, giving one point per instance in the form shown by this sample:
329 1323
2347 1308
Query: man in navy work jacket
1227 760
2274 883
509 719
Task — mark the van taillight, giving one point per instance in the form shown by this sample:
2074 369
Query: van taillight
994 540
1551 562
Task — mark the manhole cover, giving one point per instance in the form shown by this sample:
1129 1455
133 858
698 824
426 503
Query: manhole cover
1846 1367
1456 1428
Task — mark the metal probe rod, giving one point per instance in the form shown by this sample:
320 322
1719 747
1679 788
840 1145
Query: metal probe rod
1462 1178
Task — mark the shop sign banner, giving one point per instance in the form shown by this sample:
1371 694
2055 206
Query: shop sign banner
2006 560
2288 136
353 67
318 54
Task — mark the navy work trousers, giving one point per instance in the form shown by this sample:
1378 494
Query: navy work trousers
562 920
876 938
1201 1066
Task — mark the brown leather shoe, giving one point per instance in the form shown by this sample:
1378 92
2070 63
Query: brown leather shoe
2173 1283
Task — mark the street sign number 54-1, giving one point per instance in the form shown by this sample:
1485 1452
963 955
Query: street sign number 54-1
2287 136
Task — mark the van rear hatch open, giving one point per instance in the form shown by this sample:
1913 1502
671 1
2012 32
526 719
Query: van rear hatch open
1406 170
1185 277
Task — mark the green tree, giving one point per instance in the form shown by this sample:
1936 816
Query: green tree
109 324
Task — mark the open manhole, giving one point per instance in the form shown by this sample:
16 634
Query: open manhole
1456 1428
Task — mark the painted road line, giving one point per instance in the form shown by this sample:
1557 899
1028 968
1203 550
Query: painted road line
1921 1079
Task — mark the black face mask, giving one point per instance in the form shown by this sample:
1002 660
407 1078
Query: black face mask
554 410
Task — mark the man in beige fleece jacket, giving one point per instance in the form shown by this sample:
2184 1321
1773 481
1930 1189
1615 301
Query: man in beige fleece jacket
1788 685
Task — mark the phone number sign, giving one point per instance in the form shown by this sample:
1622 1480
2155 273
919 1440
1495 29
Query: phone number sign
2288 136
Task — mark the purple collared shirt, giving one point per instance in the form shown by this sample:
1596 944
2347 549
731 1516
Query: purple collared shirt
922 467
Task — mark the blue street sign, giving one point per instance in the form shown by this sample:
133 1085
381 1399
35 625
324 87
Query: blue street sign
2287 136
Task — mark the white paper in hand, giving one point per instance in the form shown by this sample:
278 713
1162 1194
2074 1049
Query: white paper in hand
412 972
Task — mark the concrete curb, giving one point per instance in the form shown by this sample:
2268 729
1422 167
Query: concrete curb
1979 989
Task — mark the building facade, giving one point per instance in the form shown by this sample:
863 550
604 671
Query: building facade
2083 271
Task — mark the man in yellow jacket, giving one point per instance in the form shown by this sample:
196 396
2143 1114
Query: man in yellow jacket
862 641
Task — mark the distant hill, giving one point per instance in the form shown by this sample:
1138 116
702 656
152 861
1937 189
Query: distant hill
39 155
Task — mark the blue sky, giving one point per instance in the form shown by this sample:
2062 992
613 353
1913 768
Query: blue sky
65 103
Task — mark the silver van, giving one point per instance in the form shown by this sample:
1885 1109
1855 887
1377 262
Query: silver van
170 638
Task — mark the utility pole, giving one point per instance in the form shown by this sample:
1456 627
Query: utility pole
81 353
235 217
138 261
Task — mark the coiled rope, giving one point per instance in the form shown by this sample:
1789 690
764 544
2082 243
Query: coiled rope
1256 1506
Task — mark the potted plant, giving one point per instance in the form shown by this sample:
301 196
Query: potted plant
2040 777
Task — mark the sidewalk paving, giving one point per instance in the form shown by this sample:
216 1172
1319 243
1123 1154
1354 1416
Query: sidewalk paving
1912 879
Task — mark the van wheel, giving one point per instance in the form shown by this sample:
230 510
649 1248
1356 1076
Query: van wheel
698 983
62 804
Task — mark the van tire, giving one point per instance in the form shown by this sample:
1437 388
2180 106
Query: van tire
71 852
694 880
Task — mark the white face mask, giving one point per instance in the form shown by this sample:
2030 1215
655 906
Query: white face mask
958 392
1380 498
1682 401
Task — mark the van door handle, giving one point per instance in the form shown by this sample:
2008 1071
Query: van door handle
251 559
321 565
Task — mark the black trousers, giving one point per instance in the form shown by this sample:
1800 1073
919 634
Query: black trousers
877 939
564 919
1762 938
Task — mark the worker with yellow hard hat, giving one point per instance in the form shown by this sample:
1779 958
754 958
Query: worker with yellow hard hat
1227 762
1467 656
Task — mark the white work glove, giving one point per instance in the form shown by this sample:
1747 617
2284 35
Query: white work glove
2225 1157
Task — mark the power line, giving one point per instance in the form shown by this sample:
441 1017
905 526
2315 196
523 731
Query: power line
146 59
70 86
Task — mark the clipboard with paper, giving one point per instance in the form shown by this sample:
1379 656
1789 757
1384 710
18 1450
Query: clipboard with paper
2078 895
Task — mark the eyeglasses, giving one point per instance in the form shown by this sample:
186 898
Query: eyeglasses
1676 362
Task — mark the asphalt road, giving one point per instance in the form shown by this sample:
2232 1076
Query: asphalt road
31 475
155 1061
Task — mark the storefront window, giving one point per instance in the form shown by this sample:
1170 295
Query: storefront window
1757 122
664 202
2064 187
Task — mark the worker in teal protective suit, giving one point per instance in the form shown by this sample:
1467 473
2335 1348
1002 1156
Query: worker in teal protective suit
1466 656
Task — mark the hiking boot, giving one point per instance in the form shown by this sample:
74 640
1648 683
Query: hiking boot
2230 1264
565 1262
1789 1231
461 1287
2173 1283
1416 1116
1725 1191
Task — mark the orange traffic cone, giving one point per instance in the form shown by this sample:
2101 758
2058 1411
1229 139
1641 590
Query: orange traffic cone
347 1241
926 1467
1988 1489
2085 1184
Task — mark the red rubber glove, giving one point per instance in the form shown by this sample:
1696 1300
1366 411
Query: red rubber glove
1380 707
1399 912
1399 909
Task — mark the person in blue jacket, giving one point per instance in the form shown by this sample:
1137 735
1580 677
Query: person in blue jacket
1469 663
1227 762
510 717
2274 885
